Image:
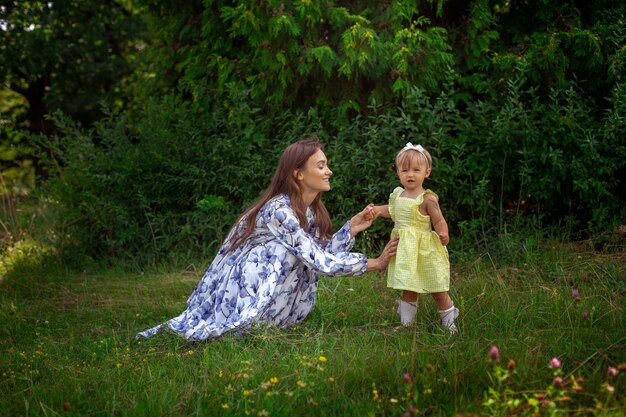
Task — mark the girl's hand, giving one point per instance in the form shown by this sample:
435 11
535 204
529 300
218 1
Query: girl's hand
444 238
362 220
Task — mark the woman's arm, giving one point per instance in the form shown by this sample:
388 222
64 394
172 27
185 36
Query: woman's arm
382 261
284 226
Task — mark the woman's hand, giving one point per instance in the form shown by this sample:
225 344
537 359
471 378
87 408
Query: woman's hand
382 261
362 220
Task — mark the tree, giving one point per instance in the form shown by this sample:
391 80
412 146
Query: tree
298 54
66 55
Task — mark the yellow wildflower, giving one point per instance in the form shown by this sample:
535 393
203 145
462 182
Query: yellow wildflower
322 359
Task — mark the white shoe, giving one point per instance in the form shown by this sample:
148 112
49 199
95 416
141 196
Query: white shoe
447 318
407 312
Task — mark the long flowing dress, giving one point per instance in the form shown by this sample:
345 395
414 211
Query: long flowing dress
421 263
270 278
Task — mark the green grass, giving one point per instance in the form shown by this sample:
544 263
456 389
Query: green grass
67 345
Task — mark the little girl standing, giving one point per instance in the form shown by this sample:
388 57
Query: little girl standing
421 264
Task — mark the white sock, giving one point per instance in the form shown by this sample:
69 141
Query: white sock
447 318
407 312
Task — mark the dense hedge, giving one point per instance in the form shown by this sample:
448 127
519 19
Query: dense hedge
172 183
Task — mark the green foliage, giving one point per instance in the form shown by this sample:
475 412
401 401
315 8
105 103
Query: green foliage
65 55
16 167
301 53
172 184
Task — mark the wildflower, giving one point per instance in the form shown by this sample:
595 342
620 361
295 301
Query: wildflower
393 401
301 384
494 353
322 359
555 363
331 379
575 292
558 382
585 315
411 410
246 392
612 371
274 380
225 406
406 377
360 329
511 365
190 352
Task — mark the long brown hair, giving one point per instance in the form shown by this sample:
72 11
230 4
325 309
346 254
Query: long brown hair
294 158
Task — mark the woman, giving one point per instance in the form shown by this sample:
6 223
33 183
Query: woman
267 269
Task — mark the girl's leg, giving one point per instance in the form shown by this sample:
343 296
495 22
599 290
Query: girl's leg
407 308
447 310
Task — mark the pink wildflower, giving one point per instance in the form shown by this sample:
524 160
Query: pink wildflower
612 371
575 292
494 353
585 315
558 382
406 377
555 363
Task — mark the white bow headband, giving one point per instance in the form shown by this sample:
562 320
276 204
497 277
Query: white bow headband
409 146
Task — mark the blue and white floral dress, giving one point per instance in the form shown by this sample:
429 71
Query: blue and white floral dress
270 278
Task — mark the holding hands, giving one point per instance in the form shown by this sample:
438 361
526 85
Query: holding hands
362 221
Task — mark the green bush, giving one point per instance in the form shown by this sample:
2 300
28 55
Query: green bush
170 185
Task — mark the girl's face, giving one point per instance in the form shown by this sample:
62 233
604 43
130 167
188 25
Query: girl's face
412 171
315 176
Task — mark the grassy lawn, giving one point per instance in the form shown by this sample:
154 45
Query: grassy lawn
67 345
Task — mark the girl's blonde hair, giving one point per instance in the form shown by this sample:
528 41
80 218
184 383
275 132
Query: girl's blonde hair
406 156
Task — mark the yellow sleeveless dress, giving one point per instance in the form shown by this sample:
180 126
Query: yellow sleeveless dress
421 263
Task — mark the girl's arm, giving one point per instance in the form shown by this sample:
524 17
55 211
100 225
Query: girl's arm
382 211
436 218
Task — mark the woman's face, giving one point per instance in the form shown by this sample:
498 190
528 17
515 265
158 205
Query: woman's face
315 175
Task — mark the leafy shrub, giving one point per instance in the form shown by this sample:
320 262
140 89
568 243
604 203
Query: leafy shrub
171 184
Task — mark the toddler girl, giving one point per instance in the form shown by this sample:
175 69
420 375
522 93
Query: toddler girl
421 264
